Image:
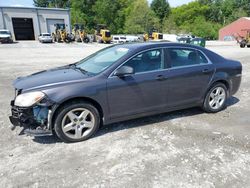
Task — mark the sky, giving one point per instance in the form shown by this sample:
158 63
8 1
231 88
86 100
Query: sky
29 3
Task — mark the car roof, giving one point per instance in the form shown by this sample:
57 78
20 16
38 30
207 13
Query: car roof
147 45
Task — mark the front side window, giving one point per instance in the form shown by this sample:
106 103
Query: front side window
102 59
147 61
186 57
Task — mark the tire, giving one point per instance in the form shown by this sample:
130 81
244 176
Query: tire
76 121
215 102
86 40
248 46
243 44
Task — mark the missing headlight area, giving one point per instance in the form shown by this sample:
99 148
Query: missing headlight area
34 120
40 114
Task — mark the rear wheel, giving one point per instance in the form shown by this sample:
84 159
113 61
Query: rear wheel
77 122
216 97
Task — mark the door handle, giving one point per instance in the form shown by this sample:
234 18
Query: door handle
161 78
206 71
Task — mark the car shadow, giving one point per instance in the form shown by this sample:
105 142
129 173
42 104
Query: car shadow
14 42
139 122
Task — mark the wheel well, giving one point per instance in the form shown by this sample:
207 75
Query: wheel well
223 82
78 99
218 81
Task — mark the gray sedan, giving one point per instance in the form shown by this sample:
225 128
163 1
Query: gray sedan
122 82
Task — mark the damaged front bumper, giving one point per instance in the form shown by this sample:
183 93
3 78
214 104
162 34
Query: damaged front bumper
35 120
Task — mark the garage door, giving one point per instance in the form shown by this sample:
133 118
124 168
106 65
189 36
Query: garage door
23 28
51 24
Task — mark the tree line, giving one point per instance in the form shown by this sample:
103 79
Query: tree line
201 17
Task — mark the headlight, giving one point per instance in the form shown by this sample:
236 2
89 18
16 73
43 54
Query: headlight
29 99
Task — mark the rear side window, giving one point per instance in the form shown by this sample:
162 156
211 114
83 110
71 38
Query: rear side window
201 58
186 57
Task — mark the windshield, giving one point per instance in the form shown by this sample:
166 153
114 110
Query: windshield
102 59
5 32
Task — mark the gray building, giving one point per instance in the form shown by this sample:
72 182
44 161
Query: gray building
26 23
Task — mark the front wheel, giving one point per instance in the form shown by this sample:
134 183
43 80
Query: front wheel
77 122
216 97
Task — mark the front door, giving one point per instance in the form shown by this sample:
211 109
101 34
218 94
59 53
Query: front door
141 92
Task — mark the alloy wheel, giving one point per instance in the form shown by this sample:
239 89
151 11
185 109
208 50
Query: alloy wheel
217 98
78 123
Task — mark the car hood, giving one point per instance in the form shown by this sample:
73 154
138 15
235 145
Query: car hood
4 36
51 77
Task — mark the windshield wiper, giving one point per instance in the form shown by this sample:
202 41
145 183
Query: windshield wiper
73 66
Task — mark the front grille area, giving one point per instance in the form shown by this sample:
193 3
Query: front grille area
15 112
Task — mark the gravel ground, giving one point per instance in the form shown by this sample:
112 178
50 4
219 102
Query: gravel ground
185 148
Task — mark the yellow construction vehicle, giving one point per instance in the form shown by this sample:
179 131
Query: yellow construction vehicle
60 34
152 35
145 37
102 34
245 41
156 36
80 35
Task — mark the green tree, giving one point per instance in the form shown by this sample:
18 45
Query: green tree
41 3
195 18
52 3
203 28
186 14
59 3
169 25
140 18
161 8
112 13
82 12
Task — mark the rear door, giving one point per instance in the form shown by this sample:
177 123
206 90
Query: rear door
189 75
141 92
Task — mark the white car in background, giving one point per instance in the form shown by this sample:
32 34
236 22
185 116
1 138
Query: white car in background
45 37
5 36
170 37
119 39
132 38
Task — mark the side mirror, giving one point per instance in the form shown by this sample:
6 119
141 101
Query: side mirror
124 71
